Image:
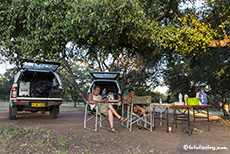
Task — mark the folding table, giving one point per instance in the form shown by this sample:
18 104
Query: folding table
164 107
185 115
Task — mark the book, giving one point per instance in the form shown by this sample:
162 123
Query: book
105 97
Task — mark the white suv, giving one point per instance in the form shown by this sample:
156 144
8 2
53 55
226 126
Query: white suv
107 81
36 88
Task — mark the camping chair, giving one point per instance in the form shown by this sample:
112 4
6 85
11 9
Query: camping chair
137 118
93 115
126 113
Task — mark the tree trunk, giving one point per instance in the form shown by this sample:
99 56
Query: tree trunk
74 85
217 100
72 97
75 104
225 104
73 81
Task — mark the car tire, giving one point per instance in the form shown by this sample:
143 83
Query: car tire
54 112
12 112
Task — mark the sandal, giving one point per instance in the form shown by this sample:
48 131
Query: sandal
122 119
113 130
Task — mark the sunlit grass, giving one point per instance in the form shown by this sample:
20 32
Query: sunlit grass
4 104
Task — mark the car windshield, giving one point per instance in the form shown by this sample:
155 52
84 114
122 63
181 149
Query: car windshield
52 66
105 75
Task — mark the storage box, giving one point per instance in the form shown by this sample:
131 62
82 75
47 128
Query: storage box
192 101
24 88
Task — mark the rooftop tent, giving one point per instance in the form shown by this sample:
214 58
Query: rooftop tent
105 75
37 65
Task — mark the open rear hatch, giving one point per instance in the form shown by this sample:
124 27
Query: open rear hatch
37 65
38 81
105 75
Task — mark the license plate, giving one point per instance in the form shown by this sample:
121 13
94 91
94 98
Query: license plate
38 105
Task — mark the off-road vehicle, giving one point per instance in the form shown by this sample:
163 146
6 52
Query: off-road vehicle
36 88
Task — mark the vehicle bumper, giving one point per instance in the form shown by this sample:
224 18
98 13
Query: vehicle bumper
28 103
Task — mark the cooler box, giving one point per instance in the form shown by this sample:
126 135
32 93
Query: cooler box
24 88
193 101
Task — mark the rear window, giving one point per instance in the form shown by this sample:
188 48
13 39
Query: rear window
37 76
108 86
51 66
105 75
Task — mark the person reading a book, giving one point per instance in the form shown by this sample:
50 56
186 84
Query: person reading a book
136 108
104 107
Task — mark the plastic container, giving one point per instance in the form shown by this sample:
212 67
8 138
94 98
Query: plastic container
203 99
170 130
192 101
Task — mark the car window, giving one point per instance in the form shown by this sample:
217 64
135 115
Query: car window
107 86
51 66
105 75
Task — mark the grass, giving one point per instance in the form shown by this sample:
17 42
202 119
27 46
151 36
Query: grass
4 104
30 139
63 142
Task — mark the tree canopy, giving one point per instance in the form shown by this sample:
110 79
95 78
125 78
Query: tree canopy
127 32
41 29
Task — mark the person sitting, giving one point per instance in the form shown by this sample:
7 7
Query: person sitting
103 103
136 108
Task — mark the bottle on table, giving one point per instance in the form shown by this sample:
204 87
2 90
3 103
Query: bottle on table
180 98
160 100
197 94
185 99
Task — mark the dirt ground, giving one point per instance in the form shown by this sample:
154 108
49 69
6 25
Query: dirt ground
66 135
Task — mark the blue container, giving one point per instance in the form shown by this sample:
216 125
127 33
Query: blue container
203 99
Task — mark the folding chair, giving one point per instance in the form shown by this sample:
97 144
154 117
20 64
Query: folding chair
126 113
136 118
93 114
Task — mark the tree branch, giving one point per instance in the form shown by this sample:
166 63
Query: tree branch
99 63
73 82
220 43
221 19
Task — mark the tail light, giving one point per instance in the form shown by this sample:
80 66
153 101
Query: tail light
14 92
119 97
61 93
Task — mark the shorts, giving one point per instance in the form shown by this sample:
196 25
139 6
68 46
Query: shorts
102 108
